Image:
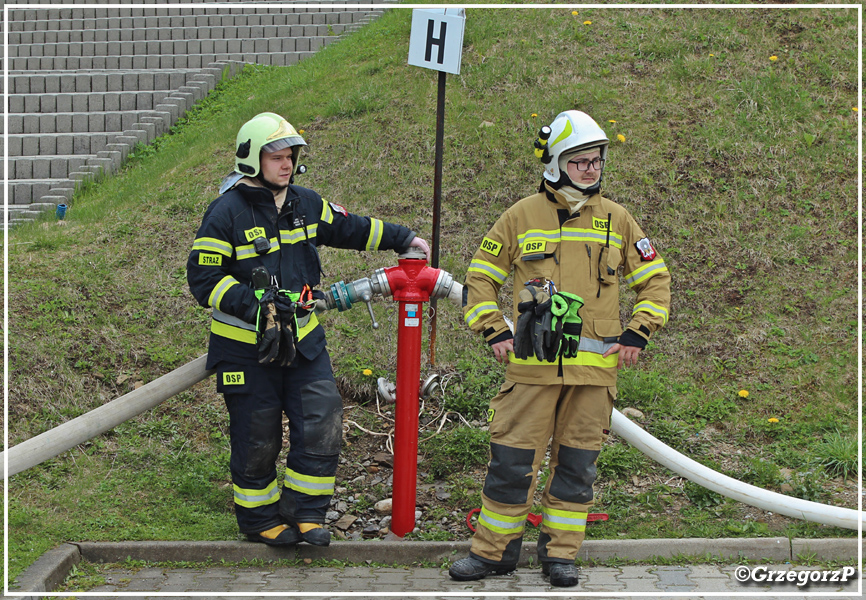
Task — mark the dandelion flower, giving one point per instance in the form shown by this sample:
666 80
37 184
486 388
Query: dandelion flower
774 58
854 108
744 394
620 137
611 121
301 131
711 54
772 420
534 115
367 372
587 22
574 13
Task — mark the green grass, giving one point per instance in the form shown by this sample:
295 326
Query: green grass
741 169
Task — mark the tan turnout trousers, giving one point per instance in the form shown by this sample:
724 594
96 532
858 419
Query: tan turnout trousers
523 419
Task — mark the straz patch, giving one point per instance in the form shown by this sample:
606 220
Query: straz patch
647 252
339 209
235 378
534 247
210 260
600 224
491 246
254 233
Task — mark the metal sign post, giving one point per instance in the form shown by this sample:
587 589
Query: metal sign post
436 42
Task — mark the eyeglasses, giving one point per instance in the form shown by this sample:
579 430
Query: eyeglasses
582 164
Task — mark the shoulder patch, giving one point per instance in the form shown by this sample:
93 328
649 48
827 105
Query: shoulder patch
647 252
491 246
210 260
337 208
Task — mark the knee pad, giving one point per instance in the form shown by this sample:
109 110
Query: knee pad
264 442
323 418
509 476
574 475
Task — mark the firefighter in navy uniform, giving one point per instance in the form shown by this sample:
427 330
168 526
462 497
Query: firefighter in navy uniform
266 344
565 245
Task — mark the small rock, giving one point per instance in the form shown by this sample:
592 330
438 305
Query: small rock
372 469
308 561
122 379
359 479
632 412
384 507
417 515
332 516
138 384
341 507
345 522
442 495
371 530
486 124
385 522
786 488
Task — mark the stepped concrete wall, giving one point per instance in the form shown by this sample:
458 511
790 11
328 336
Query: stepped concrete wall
86 85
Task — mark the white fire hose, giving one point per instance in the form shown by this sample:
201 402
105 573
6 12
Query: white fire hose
68 435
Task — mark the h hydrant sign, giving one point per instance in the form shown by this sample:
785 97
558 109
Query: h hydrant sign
436 39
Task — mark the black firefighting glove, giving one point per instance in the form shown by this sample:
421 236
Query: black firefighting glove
523 335
533 333
268 326
285 307
566 320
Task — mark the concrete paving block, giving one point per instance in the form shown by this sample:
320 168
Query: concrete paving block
20 193
128 101
80 103
47 145
41 168
65 144
29 145
80 144
47 123
96 102
16 123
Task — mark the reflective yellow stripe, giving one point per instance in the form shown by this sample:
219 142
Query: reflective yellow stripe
311 324
249 251
308 484
220 290
644 272
233 333
480 309
652 308
327 215
212 245
501 523
576 234
538 234
377 228
254 498
489 269
564 520
297 235
583 359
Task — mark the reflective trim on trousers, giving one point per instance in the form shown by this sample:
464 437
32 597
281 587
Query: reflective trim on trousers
564 520
502 524
253 498
310 485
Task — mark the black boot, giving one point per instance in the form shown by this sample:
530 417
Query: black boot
318 536
470 568
287 537
561 574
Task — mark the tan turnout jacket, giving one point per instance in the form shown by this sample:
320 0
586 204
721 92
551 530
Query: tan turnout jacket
582 255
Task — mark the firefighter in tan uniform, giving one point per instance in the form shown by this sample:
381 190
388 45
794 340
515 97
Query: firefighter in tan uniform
566 245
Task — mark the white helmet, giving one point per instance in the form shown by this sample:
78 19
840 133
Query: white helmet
570 132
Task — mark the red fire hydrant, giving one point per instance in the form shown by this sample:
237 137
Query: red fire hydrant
411 283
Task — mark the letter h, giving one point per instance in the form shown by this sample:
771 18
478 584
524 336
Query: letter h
440 41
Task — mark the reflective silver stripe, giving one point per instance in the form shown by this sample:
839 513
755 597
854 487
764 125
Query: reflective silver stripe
258 499
480 309
594 346
501 523
645 272
561 519
538 235
492 271
222 317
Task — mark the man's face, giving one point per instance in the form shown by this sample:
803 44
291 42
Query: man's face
277 167
585 160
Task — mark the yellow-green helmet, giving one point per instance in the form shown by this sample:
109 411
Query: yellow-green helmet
267 132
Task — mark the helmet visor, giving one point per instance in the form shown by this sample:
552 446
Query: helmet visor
283 143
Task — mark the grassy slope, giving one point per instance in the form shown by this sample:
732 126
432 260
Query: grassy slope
741 169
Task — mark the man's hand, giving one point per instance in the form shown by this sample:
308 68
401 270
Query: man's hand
421 244
628 355
501 350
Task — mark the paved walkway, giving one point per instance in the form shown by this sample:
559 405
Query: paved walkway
376 582
353 569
